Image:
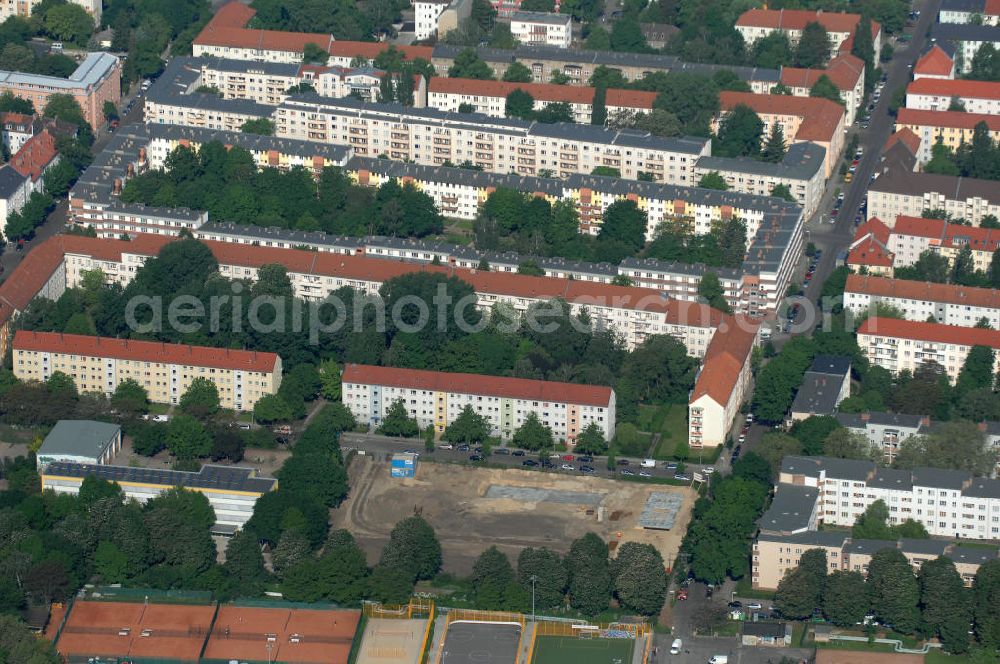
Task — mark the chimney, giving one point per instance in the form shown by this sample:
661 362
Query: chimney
116 189
865 417
925 421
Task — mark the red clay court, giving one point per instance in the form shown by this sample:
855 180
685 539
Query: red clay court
123 629
303 636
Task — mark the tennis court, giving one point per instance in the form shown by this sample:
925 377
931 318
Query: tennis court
481 643
574 650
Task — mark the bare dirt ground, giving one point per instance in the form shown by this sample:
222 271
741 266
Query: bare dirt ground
453 499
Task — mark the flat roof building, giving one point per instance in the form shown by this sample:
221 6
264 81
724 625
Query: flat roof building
824 386
80 441
94 82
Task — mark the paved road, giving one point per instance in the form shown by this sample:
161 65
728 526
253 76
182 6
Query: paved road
384 445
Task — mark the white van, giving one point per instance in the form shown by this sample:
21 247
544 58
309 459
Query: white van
719 659
648 463
676 646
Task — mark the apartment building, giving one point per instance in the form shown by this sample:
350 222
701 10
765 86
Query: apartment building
885 431
802 171
931 94
722 384
949 503
911 236
901 193
499 145
904 345
226 36
268 82
845 71
100 364
935 63
24 8
869 251
490 97
425 17
952 128
774 555
436 398
948 304
970 11
966 39
823 387
542 29
232 491
756 24
94 82
802 119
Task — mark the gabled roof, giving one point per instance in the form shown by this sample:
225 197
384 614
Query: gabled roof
871 245
922 291
957 119
906 137
941 87
949 235
934 62
35 155
844 71
727 353
797 19
549 92
930 332
821 118
464 383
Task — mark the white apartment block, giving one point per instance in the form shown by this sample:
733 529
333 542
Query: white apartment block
949 503
899 193
542 29
436 399
904 345
960 306
931 94
426 14
966 11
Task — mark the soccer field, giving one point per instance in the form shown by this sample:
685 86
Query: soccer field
574 650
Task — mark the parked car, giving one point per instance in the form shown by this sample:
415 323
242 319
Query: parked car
682 478
676 646
518 452
754 605
567 457
589 470
475 457
463 448
531 463
682 595
736 605
628 471
645 473
622 462
446 446
547 464
502 451
708 470
585 459
567 466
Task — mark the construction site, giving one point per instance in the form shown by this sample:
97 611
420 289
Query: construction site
472 509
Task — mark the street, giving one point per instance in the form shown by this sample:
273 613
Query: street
385 445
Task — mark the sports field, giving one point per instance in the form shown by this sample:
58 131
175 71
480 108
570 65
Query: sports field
574 650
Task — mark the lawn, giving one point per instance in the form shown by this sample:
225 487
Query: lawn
744 588
576 650
670 421
938 656
856 645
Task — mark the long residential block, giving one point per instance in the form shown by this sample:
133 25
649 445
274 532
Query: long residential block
952 128
436 398
721 386
961 306
902 193
966 40
904 345
933 94
756 24
97 80
845 71
969 11
912 236
100 364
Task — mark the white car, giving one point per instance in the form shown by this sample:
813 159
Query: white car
708 470
568 466
446 446
645 473
676 647
754 605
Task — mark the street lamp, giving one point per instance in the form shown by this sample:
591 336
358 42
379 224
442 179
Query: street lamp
534 579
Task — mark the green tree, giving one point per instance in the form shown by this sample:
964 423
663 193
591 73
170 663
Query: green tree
873 523
591 440
110 562
710 290
773 51
187 439
774 148
783 192
590 581
517 73
245 563
272 408
977 371
626 36
841 443
713 181
261 126
800 592
841 595
397 421
893 590
550 576
150 440
200 399
640 578
532 435
813 431
519 104
19 644
864 47
293 548
317 472
413 548
825 88
492 576
467 64
985 64
625 224
954 445
61 383
813 49
597 39
944 605
330 381
740 133
599 108
314 54
130 396
70 23
986 604
469 427
65 107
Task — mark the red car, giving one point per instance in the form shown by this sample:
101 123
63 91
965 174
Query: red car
567 457
682 594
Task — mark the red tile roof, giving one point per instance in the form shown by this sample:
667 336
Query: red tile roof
934 62
992 8
941 87
494 386
571 94
368 50
935 332
821 118
870 251
35 155
797 19
957 119
630 98
906 137
874 227
949 235
145 351
20 121
724 360
924 291
843 71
